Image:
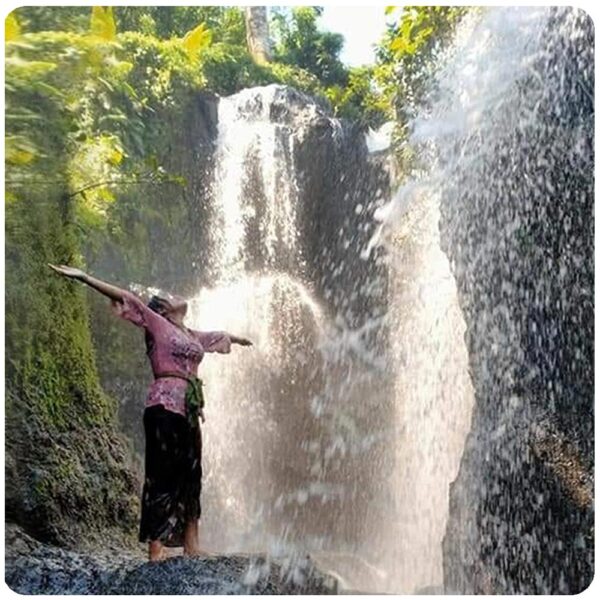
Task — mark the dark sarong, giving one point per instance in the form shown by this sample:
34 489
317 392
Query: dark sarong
171 495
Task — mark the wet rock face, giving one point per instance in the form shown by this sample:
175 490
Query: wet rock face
282 105
69 487
339 185
34 568
519 233
343 186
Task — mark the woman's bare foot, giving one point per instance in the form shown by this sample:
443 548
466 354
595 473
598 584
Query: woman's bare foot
156 551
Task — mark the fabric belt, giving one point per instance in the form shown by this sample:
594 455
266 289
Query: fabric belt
194 396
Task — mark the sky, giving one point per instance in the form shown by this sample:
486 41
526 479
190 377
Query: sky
361 26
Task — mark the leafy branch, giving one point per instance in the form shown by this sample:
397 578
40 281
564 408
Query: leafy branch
162 179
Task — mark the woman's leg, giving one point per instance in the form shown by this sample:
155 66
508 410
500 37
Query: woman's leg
191 545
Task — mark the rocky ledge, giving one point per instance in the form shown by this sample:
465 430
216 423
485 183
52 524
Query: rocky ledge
36 568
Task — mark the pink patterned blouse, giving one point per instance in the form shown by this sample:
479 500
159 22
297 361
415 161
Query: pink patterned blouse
172 349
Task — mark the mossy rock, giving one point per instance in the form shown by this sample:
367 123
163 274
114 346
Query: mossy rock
70 487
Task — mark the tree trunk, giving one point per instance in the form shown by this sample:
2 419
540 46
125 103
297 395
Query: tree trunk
257 33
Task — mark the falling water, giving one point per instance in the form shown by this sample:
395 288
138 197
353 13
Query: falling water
256 395
327 437
433 394
257 190
321 438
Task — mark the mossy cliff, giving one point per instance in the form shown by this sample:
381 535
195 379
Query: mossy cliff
66 463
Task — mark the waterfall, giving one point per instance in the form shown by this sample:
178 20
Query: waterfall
257 394
256 186
326 437
433 393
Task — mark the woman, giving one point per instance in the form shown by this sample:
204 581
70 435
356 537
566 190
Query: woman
171 494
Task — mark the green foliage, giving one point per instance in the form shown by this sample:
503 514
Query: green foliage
359 100
174 50
229 69
77 109
68 99
96 104
102 23
54 18
12 29
301 79
406 58
299 42
162 71
167 22
196 40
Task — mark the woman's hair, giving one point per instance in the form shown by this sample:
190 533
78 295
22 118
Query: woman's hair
159 305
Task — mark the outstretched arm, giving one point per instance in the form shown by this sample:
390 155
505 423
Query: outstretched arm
218 341
239 340
112 291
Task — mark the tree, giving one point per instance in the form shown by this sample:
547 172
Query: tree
257 33
299 42
166 22
54 18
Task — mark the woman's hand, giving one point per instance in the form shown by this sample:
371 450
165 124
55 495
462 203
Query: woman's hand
201 415
111 291
71 272
242 341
